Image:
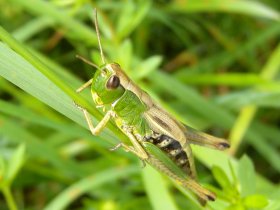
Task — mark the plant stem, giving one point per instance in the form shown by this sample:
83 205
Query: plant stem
9 198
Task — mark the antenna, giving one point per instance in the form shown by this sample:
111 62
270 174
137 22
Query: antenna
87 61
98 36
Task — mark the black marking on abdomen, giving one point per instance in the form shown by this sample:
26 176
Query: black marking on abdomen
173 149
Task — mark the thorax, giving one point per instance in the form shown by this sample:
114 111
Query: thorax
129 110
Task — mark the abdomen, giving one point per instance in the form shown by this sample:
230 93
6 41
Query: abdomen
174 150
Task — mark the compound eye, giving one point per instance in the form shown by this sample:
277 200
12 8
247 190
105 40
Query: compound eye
113 82
118 65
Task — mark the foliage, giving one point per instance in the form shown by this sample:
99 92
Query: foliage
212 64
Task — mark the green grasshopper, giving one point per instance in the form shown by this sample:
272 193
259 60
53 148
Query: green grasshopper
143 121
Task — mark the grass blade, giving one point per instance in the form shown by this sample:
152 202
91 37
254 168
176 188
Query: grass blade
87 184
236 6
154 183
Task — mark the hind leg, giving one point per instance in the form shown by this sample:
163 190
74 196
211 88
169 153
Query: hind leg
191 170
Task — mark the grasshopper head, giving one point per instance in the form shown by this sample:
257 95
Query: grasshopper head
106 86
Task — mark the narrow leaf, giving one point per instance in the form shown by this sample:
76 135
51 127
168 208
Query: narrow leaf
154 183
15 163
69 195
237 6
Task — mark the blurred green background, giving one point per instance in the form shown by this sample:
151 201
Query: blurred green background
212 64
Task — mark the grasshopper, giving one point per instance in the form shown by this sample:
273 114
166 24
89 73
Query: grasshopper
143 121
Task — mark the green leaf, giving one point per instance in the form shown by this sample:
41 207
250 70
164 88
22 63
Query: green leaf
237 6
238 206
123 55
159 155
229 79
154 183
15 163
226 59
221 177
246 176
59 16
237 100
18 71
87 184
34 77
2 170
136 14
147 66
35 147
255 201
273 205
32 27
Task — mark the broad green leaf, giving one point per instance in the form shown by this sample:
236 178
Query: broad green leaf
221 177
273 205
246 176
255 201
219 204
238 206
